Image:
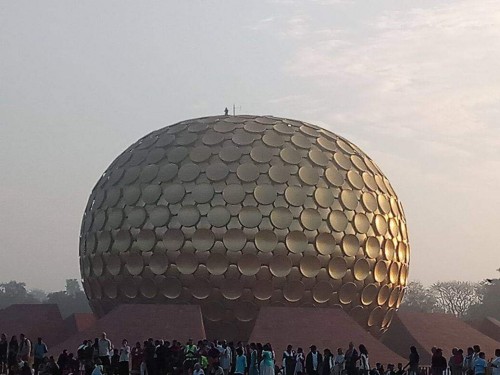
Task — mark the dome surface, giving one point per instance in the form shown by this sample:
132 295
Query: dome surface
237 212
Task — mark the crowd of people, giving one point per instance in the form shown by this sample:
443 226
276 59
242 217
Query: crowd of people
158 357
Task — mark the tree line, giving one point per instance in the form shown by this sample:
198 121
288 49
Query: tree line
70 300
463 299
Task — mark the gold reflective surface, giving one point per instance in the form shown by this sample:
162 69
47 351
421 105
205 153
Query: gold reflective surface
238 212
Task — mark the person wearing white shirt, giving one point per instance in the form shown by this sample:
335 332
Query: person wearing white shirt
123 366
364 365
197 370
338 362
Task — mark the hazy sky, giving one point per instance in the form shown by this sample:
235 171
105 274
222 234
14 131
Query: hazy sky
414 84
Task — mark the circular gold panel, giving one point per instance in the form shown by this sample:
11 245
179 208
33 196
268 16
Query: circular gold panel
294 291
310 266
296 242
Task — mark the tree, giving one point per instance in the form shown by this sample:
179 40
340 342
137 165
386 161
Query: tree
14 292
70 301
456 297
490 305
73 287
419 299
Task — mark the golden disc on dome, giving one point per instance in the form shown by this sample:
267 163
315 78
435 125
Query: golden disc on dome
296 241
361 223
338 220
322 292
337 268
295 195
233 194
324 197
249 264
347 293
186 263
217 264
203 239
281 217
350 245
290 155
266 241
372 247
280 265
369 294
310 219
265 194
310 266
294 291
158 263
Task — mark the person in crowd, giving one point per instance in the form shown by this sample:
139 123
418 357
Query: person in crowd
438 362
289 360
299 362
39 352
351 358
198 370
114 367
390 369
338 362
62 360
24 348
104 348
160 357
364 365
267 363
53 368
13 350
413 361
225 357
124 358
215 368
401 371
149 356
240 362
233 356
253 368
213 356
314 359
327 363
379 369
4 353
89 357
72 365
468 365
456 361
480 364
98 368
25 369
190 355
136 355
495 363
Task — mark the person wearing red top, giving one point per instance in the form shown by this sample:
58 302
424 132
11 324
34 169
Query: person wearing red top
136 354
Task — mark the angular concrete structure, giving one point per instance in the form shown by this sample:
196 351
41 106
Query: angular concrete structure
34 320
139 322
326 328
425 330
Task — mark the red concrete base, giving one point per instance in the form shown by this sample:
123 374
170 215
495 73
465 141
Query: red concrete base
34 320
326 328
425 330
138 322
488 326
